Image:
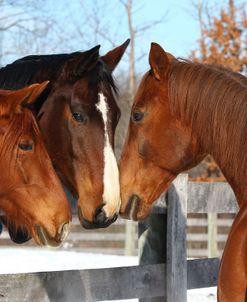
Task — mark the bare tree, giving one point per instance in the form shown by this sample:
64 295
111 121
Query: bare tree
92 26
128 5
20 25
136 31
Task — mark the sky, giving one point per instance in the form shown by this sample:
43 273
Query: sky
178 33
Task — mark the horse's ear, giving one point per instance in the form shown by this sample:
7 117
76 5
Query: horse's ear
158 60
76 66
86 59
113 57
27 97
34 91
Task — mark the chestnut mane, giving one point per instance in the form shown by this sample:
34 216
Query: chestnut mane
213 101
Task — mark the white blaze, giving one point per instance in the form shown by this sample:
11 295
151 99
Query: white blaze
111 193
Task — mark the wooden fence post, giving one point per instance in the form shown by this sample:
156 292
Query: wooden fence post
152 240
130 238
212 235
176 240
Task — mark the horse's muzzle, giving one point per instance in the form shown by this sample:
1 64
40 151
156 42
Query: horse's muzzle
99 220
17 235
46 239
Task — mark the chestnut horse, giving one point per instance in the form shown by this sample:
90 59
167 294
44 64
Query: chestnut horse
78 121
182 112
31 195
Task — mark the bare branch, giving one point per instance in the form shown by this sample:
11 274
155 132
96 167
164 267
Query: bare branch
149 25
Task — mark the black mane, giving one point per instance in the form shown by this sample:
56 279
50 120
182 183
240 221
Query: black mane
38 68
22 72
100 74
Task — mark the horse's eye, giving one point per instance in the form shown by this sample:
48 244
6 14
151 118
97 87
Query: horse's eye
25 146
79 117
137 116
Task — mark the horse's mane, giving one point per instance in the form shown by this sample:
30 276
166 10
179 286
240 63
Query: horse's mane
213 101
100 74
21 72
37 68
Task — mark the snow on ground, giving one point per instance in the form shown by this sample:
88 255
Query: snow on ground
202 295
21 260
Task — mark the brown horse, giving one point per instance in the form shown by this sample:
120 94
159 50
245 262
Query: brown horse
31 195
78 121
182 112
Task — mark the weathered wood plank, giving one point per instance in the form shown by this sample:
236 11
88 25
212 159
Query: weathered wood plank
85 285
152 239
202 273
205 197
152 244
204 238
102 284
130 238
211 197
226 222
212 235
160 205
176 240
197 253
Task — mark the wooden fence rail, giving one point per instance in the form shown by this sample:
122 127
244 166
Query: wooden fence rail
143 281
164 273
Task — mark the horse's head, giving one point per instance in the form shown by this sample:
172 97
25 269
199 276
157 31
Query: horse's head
158 146
31 196
78 121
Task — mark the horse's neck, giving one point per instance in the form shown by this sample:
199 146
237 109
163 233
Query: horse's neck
232 161
218 114
214 103
236 181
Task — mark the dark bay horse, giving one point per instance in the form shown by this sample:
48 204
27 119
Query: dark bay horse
78 115
182 112
31 195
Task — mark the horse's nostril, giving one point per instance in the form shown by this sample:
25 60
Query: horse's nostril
132 207
63 231
100 216
134 199
80 216
114 218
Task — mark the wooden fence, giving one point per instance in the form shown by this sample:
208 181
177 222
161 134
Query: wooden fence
206 236
164 273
